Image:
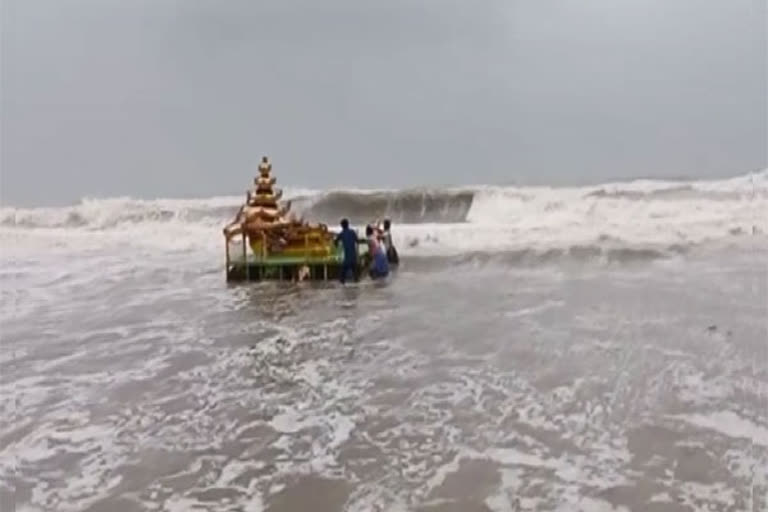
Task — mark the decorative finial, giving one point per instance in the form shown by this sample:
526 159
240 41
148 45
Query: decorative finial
265 167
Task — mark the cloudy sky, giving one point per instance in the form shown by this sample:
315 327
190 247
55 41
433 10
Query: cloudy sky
172 98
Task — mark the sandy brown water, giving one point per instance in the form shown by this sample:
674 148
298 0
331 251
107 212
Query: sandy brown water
474 386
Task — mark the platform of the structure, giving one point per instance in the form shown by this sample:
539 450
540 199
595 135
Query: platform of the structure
285 269
244 265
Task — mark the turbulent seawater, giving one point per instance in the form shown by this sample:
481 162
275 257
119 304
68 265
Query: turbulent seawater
597 349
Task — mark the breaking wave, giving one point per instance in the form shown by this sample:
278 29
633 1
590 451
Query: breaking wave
614 221
100 214
403 206
409 206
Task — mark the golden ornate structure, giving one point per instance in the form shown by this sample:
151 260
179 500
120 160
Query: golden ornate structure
269 227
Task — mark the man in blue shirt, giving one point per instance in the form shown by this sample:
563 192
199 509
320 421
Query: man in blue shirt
348 239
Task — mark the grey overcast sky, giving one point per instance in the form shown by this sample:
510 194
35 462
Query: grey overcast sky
162 98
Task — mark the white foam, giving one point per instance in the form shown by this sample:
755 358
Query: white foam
544 306
97 453
717 495
341 429
514 457
729 424
661 498
182 504
310 373
698 389
254 504
505 498
233 470
25 507
500 218
290 421
588 504
437 479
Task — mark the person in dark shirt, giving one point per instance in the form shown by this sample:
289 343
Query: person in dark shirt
392 256
348 239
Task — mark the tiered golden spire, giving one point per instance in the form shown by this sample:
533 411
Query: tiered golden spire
268 225
264 194
261 209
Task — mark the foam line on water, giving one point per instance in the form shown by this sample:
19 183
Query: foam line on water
729 424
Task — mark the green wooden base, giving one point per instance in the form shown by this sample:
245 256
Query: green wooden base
275 267
286 271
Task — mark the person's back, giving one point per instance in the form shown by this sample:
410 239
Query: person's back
386 239
391 252
348 239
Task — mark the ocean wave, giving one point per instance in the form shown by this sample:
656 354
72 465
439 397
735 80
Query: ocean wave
103 214
611 222
534 257
402 206
481 204
673 192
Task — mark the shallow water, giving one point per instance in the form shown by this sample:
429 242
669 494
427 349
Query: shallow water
141 381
